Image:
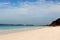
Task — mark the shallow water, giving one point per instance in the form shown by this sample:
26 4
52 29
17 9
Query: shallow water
9 29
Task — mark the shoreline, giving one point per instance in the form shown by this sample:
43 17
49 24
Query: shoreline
3 32
8 31
47 33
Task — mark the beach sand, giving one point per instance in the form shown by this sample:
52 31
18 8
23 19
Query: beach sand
47 33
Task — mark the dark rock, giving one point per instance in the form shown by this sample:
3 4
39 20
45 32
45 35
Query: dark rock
56 22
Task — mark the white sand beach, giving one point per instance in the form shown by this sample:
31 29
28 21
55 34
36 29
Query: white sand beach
48 33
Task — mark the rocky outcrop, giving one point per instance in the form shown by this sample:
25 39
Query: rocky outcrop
56 22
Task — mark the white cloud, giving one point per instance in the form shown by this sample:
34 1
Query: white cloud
31 11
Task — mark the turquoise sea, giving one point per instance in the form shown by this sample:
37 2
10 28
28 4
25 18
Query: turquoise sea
16 27
9 29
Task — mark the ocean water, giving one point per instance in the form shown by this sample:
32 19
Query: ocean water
10 29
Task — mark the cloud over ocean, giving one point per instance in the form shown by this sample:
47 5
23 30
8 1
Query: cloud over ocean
29 11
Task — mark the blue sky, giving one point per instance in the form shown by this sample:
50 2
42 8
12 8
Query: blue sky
29 11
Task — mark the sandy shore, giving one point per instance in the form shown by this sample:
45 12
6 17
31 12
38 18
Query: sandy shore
48 33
